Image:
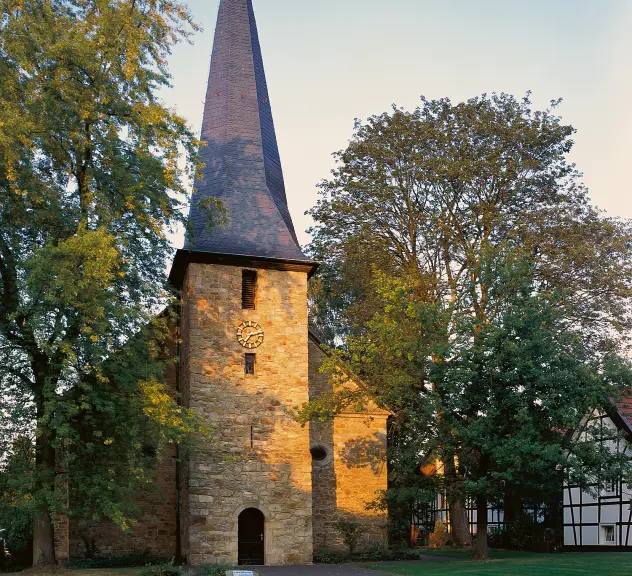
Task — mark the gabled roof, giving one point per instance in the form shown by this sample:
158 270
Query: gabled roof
621 413
241 156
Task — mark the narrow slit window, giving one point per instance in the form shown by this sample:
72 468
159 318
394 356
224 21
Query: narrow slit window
249 364
248 289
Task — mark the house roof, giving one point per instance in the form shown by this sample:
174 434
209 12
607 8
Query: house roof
622 413
241 156
624 406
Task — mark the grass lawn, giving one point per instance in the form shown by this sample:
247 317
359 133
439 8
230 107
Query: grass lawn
510 564
82 572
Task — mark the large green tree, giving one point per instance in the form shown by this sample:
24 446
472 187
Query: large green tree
514 395
425 194
432 197
92 179
503 400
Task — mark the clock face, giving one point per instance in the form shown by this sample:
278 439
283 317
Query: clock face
250 335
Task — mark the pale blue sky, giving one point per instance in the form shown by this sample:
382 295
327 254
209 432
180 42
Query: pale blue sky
331 61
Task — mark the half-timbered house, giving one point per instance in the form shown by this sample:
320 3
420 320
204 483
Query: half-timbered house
600 516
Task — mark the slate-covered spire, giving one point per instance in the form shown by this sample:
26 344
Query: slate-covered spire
242 161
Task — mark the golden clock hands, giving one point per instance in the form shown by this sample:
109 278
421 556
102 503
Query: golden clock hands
253 334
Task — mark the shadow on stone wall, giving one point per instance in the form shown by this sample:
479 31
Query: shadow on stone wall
357 473
366 452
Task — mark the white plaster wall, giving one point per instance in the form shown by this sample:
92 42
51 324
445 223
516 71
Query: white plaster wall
607 511
590 514
590 535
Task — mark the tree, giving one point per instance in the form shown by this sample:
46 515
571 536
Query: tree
515 392
502 400
92 177
15 517
425 194
433 198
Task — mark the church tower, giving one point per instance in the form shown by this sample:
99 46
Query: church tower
244 352
271 491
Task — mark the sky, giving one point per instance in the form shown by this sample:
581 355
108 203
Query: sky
330 61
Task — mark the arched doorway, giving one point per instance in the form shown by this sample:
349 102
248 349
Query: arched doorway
250 537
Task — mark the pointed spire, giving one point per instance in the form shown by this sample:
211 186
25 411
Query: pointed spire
241 156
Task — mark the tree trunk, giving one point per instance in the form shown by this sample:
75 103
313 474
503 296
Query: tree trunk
460 525
458 513
512 511
512 503
43 530
43 541
481 550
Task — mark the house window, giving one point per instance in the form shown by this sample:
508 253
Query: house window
249 364
607 534
248 289
609 487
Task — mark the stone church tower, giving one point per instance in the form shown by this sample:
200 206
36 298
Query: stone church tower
272 491
244 325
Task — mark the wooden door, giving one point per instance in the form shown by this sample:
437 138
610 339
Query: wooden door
251 538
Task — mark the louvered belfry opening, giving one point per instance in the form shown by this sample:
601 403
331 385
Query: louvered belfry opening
248 289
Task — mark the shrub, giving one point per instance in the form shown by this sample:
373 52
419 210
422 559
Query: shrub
351 532
212 570
329 557
382 555
129 561
161 570
524 534
440 536
376 553
18 536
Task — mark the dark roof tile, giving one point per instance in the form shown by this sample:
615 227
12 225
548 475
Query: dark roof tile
242 163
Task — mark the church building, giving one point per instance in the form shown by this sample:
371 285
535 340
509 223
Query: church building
273 490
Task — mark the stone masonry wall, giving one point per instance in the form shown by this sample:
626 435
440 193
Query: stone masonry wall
354 472
183 367
61 531
261 457
155 531
153 534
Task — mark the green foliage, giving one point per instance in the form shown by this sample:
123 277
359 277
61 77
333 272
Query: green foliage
422 196
473 291
402 501
16 514
130 561
375 553
324 556
93 170
212 570
525 534
161 570
18 525
351 532
514 390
